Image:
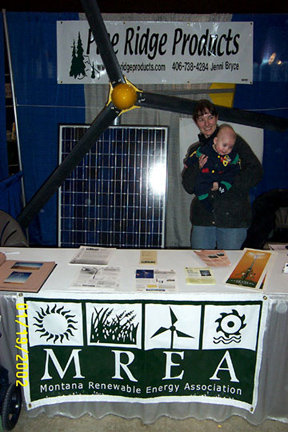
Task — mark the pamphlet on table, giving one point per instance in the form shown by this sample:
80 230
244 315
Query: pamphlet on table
251 270
148 256
94 256
199 276
155 280
102 279
213 258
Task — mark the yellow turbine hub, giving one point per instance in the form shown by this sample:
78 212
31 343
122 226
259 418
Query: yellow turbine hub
124 96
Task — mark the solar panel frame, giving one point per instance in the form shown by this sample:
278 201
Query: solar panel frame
111 198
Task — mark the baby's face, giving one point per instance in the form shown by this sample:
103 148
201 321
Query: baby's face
224 144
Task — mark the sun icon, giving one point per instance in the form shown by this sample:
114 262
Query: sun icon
55 324
231 323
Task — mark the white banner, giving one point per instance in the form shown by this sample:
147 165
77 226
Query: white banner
101 350
158 52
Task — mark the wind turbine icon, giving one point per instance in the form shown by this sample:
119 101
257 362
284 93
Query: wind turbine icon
172 329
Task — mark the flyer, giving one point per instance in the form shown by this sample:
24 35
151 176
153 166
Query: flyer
251 269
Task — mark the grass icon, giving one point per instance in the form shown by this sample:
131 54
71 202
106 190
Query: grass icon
109 328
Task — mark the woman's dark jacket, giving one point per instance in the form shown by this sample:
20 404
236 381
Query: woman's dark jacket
231 209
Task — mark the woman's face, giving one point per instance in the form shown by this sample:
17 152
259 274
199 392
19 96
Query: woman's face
207 123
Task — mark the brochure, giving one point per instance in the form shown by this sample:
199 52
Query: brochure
251 269
23 276
100 279
94 256
155 280
199 276
148 257
215 258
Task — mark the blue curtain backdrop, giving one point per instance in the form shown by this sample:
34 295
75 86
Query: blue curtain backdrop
3 141
42 105
269 92
11 195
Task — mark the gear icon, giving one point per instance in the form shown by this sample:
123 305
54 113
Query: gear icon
230 323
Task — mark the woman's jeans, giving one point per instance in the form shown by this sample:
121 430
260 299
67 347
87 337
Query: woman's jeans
210 237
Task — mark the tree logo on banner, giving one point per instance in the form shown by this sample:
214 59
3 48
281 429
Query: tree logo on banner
81 64
230 324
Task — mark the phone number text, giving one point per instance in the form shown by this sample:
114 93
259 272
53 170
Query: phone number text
204 66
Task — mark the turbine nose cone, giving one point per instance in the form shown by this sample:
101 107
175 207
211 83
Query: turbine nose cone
124 96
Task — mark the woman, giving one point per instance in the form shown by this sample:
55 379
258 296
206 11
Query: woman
225 226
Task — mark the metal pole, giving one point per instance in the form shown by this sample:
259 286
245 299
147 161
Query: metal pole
14 100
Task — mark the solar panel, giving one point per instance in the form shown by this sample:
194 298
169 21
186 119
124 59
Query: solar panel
116 195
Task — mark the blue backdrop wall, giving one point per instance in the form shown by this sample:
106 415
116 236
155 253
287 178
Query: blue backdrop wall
3 145
41 106
269 92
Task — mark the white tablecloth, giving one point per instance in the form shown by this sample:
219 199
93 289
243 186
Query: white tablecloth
273 378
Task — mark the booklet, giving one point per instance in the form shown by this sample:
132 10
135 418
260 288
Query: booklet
215 258
148 256
199 276
101 279
94 256
251 269
155 280
23 276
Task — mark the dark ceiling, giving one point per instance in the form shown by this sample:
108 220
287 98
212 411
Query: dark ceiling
151 6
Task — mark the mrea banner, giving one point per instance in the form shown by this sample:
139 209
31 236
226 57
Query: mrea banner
141 351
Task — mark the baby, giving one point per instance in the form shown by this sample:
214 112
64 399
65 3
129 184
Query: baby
219 164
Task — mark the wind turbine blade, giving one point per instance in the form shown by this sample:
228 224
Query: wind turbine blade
159 331
234 115
50 186
174 319
102 40
181 334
